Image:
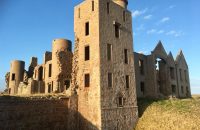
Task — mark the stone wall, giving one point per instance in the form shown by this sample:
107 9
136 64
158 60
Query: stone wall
42 113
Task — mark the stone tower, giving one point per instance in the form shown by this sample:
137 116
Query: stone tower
61 64
105 74
16 75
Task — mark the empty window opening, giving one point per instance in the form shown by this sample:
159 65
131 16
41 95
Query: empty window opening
50 69
109 52
120 102
141 66
87 28
142 87
110 80
125 56
173 90
127 81
49 88
108 7
92 5
117 30
172 73
40 73
180 72
185 73
67 84
52 86
87 80
182 89
124 16
79 13
35 73
13 77
87 53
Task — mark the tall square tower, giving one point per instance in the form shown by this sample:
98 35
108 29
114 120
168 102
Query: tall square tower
105 72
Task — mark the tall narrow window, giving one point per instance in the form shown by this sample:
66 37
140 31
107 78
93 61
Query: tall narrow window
173 90
87 80
117 31
108 7
172 73
180 72
13 77
142 87
87 53
67 84
92 5
127 81
141 66
125 56
109 52
182 89
79 13
185 73
87 28
124 16
110 80
120 102
50 69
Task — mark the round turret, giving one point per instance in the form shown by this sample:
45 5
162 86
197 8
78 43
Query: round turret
16 75
61 62
122 3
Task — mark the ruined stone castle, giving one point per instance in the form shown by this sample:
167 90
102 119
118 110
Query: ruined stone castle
103 71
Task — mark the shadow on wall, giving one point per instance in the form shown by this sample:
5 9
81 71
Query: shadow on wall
19 113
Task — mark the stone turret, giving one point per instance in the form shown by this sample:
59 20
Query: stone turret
122 3
16 75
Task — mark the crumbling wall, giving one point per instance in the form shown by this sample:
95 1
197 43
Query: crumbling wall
42 113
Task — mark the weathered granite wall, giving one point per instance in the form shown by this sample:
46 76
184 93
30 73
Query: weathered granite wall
38 113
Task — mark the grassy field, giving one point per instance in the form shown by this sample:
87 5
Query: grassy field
173 114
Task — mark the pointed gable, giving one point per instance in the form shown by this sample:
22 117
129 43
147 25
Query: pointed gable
159 51
170 59
180 59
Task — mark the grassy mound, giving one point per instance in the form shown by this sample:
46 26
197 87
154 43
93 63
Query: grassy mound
173 114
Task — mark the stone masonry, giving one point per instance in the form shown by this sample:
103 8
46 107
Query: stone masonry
102 78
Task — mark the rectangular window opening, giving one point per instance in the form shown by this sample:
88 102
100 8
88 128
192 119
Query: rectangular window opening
185 72
110 80
109 52
67 84
141 66
87 28
87 80
92 5
142 87
117 30
127 81
50 69
108 7
79 13
172 73
120 102
180 72
87 53
182 89
125 56
13 77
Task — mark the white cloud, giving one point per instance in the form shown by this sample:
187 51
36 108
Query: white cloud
138 12
151 31
148 17
160 31
175 33
141 27
165 19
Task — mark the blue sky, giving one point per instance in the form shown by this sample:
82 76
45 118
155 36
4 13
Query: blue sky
27 28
